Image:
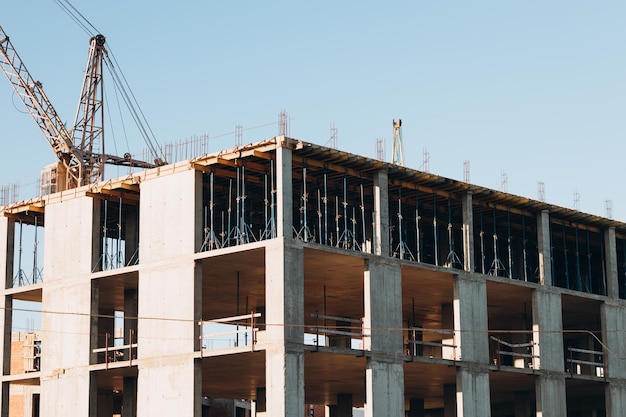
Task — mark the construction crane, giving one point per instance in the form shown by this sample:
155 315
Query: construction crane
80 150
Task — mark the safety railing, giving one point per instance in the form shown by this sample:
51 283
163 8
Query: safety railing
111 353
517 355
227 332
586 362
334 331
431 343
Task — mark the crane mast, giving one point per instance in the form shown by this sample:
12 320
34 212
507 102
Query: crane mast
81 150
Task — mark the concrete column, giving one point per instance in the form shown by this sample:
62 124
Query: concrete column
470 320
284 191
523 406
130 315
170 288
610 259
384 376
129 397
468 232
543 246
470 326
548 339
7 244
381 214
7 324
66 345
416 407
449 400
613 330
284 354
131 236
343 407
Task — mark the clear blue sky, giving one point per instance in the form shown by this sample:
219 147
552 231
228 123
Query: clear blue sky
536 89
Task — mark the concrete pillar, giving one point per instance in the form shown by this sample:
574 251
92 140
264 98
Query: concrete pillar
384 376
449 400
416 407
548 340
131 237
170 287
284 191
130 316
523 406
129 397
470 326
65 356
468 232
543 246
470 319
284 355
610 259
7 244
343 408
613 330
7 324
381 214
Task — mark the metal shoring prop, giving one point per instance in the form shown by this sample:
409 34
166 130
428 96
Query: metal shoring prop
118 244
325 201
105 254
223 232
347 239
337 217
210 239
509 240
435 237
20 277
230 209
565 257
237 232
319 215
589 264
355 245
524 247
452 258
496 264
417 229
482 243
402 249
578 277
362 218
36 271
247 235
304 233
270 222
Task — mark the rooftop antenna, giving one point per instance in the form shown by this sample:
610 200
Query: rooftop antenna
380 149
426 160
398 155
541 191
466 171
504 181
576 199
283 123
608 208
334 141
238 135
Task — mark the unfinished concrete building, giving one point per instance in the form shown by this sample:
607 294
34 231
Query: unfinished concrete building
285 274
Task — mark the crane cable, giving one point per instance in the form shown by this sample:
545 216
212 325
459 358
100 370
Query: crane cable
119 81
